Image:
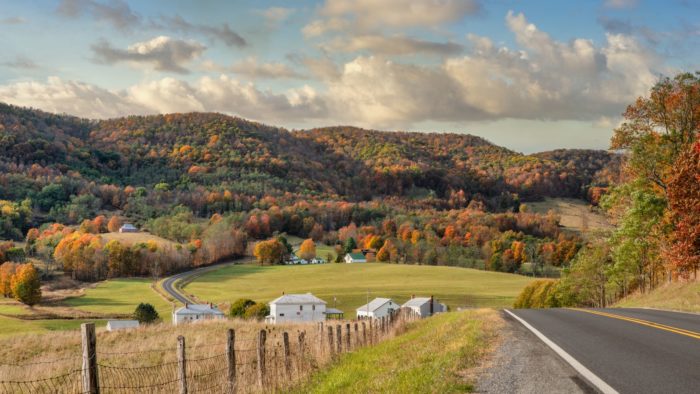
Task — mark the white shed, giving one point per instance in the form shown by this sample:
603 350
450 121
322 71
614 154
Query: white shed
297 308
196 312
355 258
422 306
377 308
114 325
128 228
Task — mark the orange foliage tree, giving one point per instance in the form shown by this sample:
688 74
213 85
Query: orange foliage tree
26 286
307 250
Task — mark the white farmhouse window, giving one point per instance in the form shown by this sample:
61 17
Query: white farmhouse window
301 307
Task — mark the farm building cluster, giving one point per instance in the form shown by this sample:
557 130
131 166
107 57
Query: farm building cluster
296 260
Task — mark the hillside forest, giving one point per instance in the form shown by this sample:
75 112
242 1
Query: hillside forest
216 186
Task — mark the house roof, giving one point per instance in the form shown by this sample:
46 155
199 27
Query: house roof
129 226
198 309
374 304
307 298
417 301
123 323
333 311
357 256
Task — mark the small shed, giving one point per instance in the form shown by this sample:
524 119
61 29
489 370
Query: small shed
128 228
196 312
297 308
114 325
332 313
355 258
377 308
424 306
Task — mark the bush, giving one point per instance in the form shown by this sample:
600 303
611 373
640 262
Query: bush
146 313
257 311
539 294
239 307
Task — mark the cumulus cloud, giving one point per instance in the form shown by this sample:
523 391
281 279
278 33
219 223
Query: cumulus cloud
116 13
252 68
391 45
223 33
162 53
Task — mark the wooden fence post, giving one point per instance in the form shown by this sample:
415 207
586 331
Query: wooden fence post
347 337
330 340
364 334
182 364
339 337
287 360
357 335
231 358
262 336
89 374
320 337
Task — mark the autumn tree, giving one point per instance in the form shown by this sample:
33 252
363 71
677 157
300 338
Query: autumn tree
307 250
25 284
269 252
114 224
7 271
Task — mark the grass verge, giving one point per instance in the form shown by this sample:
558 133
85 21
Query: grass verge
672 296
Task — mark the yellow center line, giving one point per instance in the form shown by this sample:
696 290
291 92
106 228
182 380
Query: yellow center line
660 326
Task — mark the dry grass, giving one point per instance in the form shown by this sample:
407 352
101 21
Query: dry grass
678 296
147 356
576 215
135 238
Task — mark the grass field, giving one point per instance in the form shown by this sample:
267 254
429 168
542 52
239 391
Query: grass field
120 296
11 326
349 283
576 215
435 356
673 296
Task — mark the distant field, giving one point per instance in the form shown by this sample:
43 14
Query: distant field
11 326
576 215
349 283
120 296
134 238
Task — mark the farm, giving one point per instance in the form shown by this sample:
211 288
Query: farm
347 286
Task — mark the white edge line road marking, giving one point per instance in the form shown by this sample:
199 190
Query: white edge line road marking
585 372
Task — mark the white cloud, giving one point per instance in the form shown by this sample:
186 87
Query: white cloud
162 53
252 68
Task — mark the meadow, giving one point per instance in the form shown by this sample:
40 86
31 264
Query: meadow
347 286
120 296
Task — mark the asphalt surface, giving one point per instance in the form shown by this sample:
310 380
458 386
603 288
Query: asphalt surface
658 352
169 282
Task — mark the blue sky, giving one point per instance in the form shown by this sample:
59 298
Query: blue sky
530 75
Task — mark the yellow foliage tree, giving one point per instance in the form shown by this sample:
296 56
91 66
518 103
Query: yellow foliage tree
307 250
25 284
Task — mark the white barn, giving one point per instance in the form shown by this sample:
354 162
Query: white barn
424 306
114 325
128 228
355 258
377 308
297 308
196 312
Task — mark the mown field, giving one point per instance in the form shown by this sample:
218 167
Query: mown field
436 355
120 296
347 285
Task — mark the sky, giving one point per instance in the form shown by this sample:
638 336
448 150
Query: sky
528 75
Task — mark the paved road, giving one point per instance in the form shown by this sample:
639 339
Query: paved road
169 282
632 350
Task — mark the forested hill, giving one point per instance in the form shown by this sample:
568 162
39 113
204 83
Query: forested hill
183 153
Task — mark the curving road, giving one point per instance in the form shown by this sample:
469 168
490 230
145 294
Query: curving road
626 350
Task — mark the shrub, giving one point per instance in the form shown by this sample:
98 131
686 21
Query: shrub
145 313
239 307
257 311
539 294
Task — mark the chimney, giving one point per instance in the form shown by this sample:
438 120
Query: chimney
431 305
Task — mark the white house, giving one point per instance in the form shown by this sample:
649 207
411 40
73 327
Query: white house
377 308
297 308
114 325
424 306
128 228
355 258
196 312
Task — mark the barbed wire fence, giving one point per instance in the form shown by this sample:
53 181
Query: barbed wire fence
272 360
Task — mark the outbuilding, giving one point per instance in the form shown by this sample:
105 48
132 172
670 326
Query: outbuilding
196 312
355 258
377 308
296 308
424 306
128 228
114 325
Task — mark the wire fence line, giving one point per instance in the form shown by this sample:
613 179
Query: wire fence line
272 360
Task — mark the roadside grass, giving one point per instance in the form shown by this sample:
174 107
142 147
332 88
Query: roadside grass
436 355
673 296
120 296
346 285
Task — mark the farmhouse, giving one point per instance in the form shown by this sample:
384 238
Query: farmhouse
355 258
196 312
377 308
297 308
424 306
114 325
128 228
